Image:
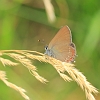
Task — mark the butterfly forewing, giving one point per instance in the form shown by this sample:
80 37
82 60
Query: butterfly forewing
63 37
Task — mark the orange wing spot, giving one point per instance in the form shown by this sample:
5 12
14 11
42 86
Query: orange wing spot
71 55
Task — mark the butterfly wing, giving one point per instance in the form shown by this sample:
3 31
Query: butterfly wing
66 55
62 37
61 45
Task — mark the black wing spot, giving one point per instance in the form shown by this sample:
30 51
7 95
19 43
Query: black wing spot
72 45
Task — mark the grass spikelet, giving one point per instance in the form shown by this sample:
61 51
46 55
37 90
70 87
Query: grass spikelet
82 81
25 57
38 77
65 77
20 58
13 86
7 62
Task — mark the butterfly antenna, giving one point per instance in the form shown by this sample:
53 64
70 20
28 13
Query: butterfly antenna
42 42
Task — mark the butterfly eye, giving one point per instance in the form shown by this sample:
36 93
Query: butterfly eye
46 47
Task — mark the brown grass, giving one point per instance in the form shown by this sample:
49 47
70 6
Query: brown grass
25 57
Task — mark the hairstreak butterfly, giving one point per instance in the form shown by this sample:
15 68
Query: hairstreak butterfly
61 46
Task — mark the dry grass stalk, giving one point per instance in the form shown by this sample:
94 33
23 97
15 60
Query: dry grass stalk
25 57
49 10
28 64
38 77
7 62
82 81
13 86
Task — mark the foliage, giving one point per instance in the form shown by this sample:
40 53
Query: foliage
24 22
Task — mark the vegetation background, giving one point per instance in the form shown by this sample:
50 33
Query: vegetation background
24 22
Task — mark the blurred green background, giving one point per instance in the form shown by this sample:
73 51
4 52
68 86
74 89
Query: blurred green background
24 22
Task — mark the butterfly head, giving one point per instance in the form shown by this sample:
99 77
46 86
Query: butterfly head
48 51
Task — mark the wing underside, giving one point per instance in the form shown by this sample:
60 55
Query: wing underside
62 37
62 46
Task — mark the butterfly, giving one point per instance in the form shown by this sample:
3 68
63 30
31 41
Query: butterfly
61 46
